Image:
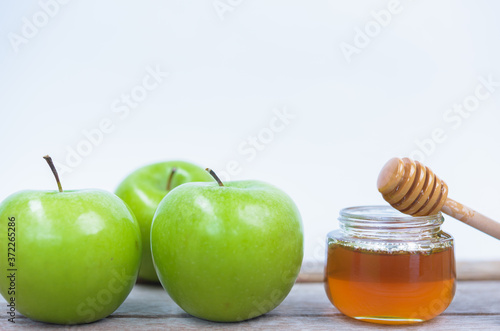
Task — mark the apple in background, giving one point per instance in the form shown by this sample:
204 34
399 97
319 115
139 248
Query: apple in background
227 252
73 256
143 190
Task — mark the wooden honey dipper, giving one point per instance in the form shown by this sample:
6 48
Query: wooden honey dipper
414 189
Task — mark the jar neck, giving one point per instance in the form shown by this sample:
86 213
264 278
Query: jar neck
385 222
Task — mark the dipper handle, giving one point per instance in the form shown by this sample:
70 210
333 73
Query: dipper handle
471 217
414 189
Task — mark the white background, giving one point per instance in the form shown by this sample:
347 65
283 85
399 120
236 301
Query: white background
230 71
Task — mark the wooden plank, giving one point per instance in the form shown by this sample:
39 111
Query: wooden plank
476 306
333 322
467 270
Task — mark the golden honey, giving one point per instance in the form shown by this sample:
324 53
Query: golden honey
390 268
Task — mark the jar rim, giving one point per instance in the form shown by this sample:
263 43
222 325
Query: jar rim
388 223
386 214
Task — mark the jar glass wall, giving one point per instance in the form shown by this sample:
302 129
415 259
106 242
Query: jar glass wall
383 266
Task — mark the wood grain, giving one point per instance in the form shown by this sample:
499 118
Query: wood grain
476 306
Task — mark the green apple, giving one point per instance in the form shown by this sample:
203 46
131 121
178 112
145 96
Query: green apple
227 252
143 190
67 257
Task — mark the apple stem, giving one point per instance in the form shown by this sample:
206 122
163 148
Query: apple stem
54 171
169 183
214 175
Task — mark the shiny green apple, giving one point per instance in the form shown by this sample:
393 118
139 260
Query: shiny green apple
72 256
143 190
227 253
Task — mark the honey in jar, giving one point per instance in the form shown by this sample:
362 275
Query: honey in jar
386 267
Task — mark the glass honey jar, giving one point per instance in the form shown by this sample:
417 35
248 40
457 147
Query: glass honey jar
386 267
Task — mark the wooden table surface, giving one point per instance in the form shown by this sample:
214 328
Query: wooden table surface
476 306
